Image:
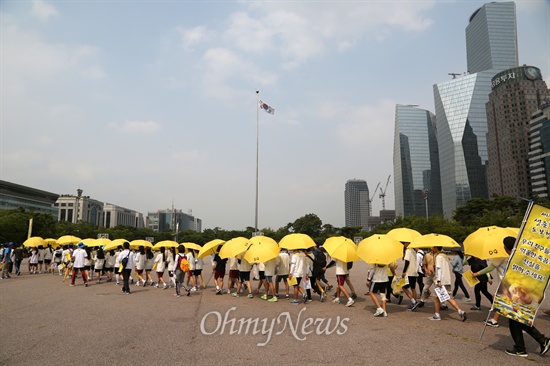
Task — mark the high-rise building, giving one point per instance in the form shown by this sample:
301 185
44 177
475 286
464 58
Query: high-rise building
461 118
417 183
357 203
13 196
491 37
516 95
172 219
539 150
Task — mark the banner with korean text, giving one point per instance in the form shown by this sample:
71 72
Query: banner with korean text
526 278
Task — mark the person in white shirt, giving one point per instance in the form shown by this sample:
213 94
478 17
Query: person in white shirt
79 257
178 273
191 274
41 253
160 260
197 272
298 269
282 270
410 273
109 264
149 262
140 265
443 279
127 269
341 274
377 282
244 277
99 258
233 279
170 259
269 272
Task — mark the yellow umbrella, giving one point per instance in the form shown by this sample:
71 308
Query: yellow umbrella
89 242
341 248
135 244
296 241
102 242
262 239
380 249
68 239
404 234
486 242
434 240
261 251
210 248
34 241
113 245
234 247
165 244
192 246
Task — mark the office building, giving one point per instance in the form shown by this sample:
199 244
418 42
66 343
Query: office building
173 220
417 182
491 37
516 94
539 150
116 215
14 196
357 203
79 208
461 118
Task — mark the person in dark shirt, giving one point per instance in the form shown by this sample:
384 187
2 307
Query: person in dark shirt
218 266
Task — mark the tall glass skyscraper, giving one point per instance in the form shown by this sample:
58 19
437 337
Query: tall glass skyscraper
356 196
417 183
491 44
491 37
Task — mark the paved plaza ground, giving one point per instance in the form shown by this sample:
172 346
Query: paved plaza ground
44 321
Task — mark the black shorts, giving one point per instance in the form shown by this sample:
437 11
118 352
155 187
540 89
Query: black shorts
197 272
378 287
262 275
412 282
47 261
244 276
109 269
98 270
281 277
87 268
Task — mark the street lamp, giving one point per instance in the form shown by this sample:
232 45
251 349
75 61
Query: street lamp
425 194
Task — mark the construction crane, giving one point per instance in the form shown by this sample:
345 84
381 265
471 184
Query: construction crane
383 193
369 199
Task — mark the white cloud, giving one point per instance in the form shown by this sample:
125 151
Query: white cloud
137 127
94 72
191 37
42 10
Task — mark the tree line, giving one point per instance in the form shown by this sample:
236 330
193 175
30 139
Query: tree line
501 211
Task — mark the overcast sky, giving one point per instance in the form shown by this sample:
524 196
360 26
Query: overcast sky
144 104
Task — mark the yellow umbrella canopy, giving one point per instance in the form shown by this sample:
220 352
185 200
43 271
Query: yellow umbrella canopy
261 251
210 248
135 244
262 239
379 249
102 242
296 241
341 248
192 246
68 239
165 244
486 242
34 241
404 234
114 244
234 247
89 242
434 240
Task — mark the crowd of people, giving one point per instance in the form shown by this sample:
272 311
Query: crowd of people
301 273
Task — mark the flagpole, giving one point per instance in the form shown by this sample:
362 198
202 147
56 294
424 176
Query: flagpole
257 150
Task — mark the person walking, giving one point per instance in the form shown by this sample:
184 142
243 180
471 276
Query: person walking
341 274
170 260
458 269
410 273
140 265
298 270
282 272
179 272
218 267
99 259
377 283
109 264
477 265
17 259
79 257
159 266
149 263
127 259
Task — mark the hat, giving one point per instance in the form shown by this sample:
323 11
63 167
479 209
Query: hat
81 245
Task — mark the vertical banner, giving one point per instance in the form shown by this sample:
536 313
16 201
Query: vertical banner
522 289
30 228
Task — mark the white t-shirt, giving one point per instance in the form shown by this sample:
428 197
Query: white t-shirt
233 264
245 266
500 266
442 269
270 266
140 261
412 270
298 265
131 258
79 256
284 264
341 267
160 263
191 260
378 274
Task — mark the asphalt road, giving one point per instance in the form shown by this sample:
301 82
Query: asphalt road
44 321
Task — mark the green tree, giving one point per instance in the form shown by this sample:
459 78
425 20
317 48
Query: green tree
309 224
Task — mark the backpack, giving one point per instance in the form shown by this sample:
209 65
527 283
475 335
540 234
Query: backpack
183 264
319 261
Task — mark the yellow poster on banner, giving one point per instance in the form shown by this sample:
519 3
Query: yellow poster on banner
522 289
469 277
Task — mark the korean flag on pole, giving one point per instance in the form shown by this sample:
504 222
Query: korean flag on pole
266 107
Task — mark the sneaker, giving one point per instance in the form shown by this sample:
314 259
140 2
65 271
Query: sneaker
400 300
350 302
444 307
329 288
85 284
304 296
475 308
435 317
118 283
411 306
273 299
336 301
72 284
420 304
379 312
177 295
234 294
277 296
250 296
513 352
218 292
492 323
544 346
193 289
354 296
321 297
165 287
228 291
463 316
416 305
308 301
157 285
294 302
287 297
467 299
263 297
